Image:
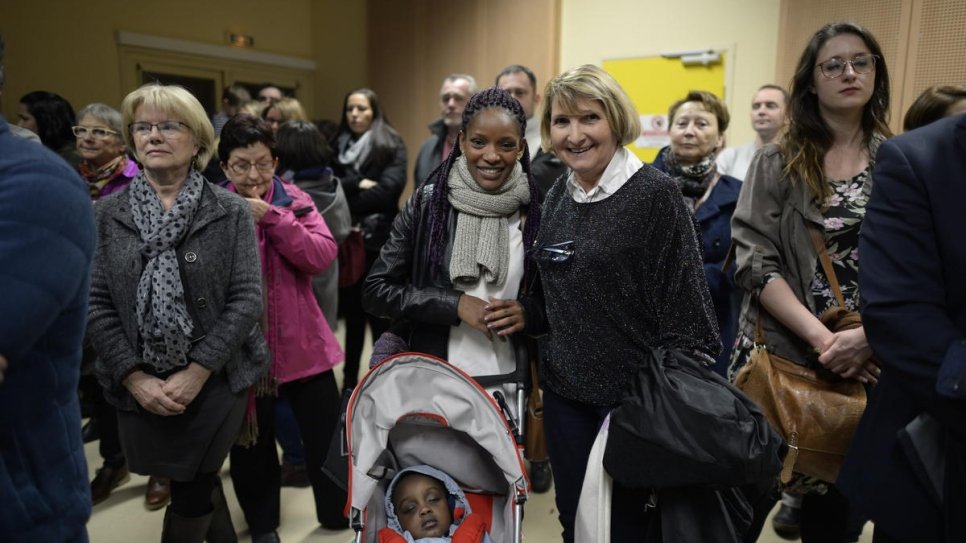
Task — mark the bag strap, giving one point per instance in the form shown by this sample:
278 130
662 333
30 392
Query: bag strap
818 240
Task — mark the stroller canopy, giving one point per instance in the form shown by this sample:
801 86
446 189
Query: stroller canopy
429 412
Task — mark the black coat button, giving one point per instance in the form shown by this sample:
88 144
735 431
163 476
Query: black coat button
202 303
190 257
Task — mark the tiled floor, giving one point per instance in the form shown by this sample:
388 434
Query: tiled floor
122 518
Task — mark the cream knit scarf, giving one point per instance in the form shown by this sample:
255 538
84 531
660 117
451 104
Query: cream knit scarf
481 244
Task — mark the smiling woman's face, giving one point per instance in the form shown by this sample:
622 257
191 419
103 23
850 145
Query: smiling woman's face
492 145
583 139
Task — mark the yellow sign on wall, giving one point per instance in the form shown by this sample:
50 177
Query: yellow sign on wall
654 83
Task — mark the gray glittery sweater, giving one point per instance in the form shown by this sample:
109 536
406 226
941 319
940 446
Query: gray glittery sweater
635 280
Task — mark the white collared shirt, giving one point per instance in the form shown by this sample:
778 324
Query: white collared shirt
533 135
622 166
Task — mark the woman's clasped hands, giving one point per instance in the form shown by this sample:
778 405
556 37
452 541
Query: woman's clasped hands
500 317
847 353
169 396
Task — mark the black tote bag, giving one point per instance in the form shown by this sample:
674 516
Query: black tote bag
681 424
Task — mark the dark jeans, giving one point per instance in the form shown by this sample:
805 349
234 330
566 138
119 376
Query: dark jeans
255 472
571 428
287 432
350 307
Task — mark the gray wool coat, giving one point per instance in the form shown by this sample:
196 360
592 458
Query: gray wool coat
221 272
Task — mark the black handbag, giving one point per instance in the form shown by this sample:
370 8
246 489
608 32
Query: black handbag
336 464
680 424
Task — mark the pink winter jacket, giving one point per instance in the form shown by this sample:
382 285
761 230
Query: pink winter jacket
295 244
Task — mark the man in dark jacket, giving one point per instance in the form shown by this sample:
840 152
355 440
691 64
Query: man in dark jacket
906 468
453 96
46 244
521 82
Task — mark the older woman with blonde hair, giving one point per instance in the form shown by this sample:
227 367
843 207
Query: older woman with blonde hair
620 263
107 169
174 310
282 111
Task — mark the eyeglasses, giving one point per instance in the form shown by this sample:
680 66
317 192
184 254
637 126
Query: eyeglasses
553 253
96 133
242 167
167 129
835 66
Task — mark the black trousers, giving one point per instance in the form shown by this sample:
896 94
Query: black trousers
824 518
571 428
110 440
350 306
255 471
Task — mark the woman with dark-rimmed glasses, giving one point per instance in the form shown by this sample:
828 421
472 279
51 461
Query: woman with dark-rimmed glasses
294 244
818 176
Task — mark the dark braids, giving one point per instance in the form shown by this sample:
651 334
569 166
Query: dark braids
439 206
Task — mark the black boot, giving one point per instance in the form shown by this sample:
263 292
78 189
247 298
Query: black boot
178 529
541 477
221 529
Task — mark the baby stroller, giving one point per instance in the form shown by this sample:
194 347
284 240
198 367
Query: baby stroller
414 409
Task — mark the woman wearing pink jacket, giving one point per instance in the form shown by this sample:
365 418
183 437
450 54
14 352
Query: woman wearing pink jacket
294 244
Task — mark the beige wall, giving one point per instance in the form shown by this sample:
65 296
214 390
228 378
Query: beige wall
596 30
414 44
69 46
338 40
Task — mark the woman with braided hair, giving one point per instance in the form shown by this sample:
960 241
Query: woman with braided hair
453 275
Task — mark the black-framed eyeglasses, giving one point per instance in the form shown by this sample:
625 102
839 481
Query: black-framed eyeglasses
835 66
242 167
553 253
167 129
96 133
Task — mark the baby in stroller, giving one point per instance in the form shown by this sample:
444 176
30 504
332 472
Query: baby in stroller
425 505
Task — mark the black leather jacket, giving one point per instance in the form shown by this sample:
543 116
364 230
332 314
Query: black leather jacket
423 306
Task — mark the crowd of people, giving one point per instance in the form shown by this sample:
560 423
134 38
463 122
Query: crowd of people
223 250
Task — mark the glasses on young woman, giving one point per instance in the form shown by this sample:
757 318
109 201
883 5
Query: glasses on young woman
835 66
96 133
242 167
167 129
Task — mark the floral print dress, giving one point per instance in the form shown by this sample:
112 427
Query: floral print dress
845 210
842 218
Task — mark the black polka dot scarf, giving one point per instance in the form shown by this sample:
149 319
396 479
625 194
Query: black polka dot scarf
163 319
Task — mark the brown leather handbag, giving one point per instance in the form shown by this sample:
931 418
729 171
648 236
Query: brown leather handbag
535 442
816 411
